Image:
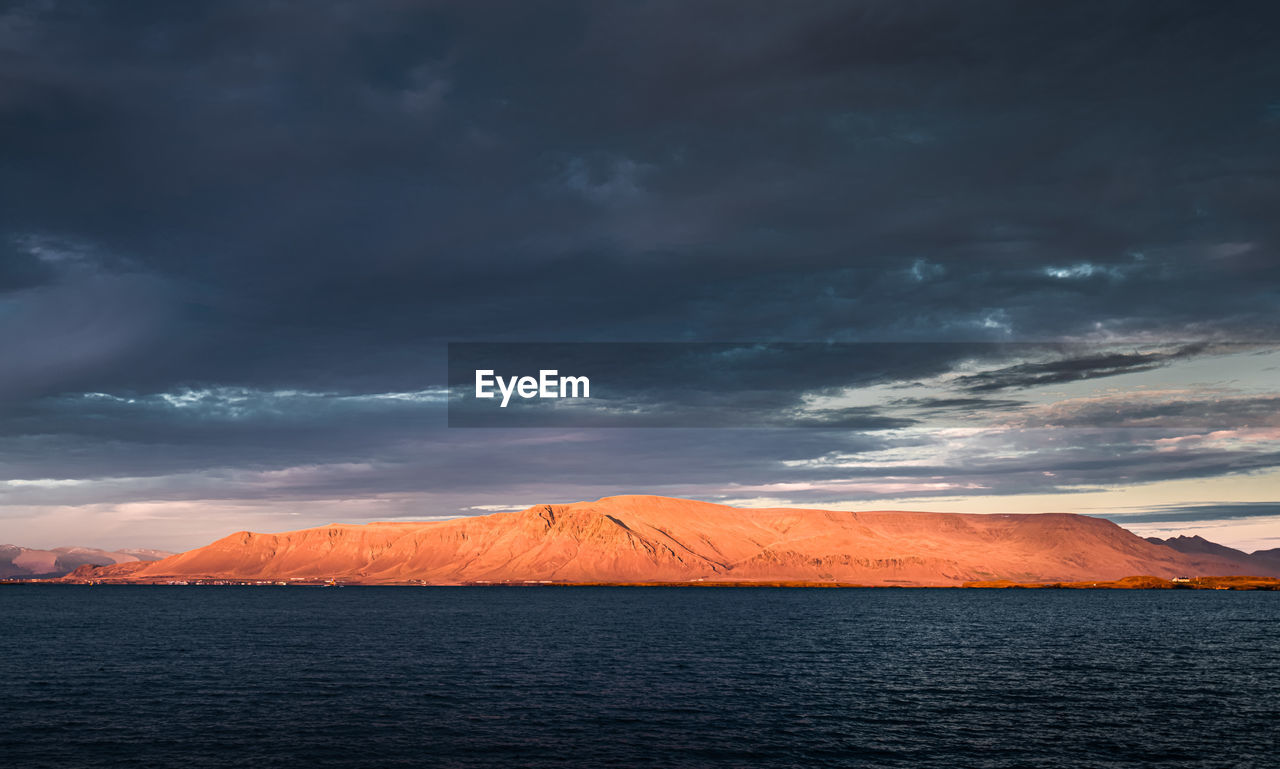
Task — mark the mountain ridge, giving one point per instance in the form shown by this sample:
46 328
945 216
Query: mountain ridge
630 539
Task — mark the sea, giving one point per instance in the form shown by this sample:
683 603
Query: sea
202 676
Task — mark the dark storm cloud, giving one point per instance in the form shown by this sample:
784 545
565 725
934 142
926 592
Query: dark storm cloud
699 384
330 188
315 197
1179 513
1073 369
777 384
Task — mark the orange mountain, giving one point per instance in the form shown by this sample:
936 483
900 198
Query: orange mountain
658 539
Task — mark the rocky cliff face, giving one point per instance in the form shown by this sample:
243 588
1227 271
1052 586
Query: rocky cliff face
659 539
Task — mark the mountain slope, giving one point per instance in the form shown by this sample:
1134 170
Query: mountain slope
1269 557
659 539
1262 561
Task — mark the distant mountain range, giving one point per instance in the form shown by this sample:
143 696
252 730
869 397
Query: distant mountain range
25 562
644 539
1266 560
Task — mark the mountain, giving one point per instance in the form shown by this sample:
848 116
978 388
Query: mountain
658 539
1196 545
18 561
1270 557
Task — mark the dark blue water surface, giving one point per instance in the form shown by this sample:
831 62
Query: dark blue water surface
646 677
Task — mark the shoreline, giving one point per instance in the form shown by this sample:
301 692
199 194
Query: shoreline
1126 583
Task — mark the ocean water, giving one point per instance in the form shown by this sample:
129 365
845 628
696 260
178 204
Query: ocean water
636 677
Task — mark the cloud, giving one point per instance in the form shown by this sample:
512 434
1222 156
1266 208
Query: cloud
251 229
1178 410
1073 369
605 180
1178 513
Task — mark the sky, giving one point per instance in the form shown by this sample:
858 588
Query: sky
237 238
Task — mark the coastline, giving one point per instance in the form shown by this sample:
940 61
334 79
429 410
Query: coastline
1232 582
